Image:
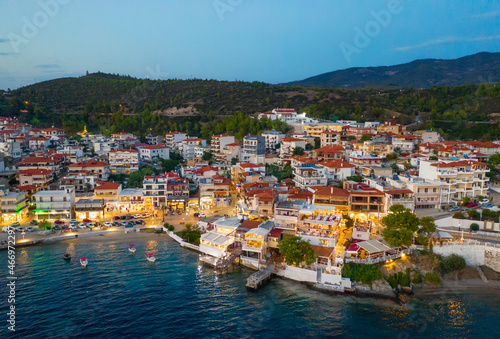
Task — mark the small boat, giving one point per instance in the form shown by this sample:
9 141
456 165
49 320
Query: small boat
131 248
151 257
67 256
84 262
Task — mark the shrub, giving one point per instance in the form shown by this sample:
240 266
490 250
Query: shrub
452 263
417 277
392 280
458 215
473 214
474 227
360 272
433 278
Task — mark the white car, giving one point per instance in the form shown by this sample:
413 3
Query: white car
73 226
202 215
107 224
82 225
484 201
73 221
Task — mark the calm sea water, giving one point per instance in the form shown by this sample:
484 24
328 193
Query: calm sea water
122 295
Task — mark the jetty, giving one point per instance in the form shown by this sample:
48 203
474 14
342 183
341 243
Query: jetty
220 264
257 279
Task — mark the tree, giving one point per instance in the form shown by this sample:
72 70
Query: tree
474 227
234 161
44 224
207 156
356 178
309 147
400 226
298 151
366 137
317 143
465 200
296 250
349 222
473 214
458 215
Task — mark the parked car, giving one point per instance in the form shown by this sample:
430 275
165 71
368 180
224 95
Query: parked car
137 216
454 209
57 227
107 224
73 221
489 205
202 215
20 229
34 222
484 201
196 214
116 217
30 229
464 210
471 204
123 217
15 225
58 222
73 226
116 224
65 227
82 225
124 223
140 222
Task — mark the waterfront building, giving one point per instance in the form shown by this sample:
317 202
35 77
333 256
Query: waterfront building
89 209
215 191
166 191
13 205
54 204
130 199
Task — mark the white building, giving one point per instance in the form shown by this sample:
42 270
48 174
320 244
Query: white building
53 205
273 138
173 138
123 161
149 153
13 206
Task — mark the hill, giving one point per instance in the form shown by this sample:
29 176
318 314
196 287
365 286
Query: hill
107 103
473 69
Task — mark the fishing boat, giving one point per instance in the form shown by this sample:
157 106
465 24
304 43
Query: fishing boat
131 248
84 262
67 256
151 257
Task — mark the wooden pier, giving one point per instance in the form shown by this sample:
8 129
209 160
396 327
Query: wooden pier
258 278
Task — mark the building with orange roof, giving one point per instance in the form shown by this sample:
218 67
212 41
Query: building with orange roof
330 152
331 196
149 153
38 177
365 199
288 145
123 161
215 191
330 138
96 168
108 191
338 170
52 163
458 179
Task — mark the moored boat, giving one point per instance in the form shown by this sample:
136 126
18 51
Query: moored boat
151 257
67 256
131 248
84 262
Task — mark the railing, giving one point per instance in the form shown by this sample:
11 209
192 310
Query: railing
471 242
376 260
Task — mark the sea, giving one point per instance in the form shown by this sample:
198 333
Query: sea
123 295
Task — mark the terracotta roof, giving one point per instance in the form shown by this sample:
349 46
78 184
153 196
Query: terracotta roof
248 165
330 149
89 163
337 164
290 139
398 191
275 233
155 147
322 251
250 224
35 171
331 191
106 185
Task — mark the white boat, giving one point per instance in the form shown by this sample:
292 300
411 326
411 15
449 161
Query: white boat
131 248
84 262
151 257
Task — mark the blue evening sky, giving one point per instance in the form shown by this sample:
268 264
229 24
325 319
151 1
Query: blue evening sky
272 41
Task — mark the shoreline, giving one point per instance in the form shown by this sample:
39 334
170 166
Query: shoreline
448 286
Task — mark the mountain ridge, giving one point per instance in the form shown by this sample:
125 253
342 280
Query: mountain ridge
479 68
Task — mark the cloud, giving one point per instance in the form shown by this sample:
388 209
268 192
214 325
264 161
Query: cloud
446 40
48 66
4 40
488 15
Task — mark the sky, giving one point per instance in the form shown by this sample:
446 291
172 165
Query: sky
273 41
